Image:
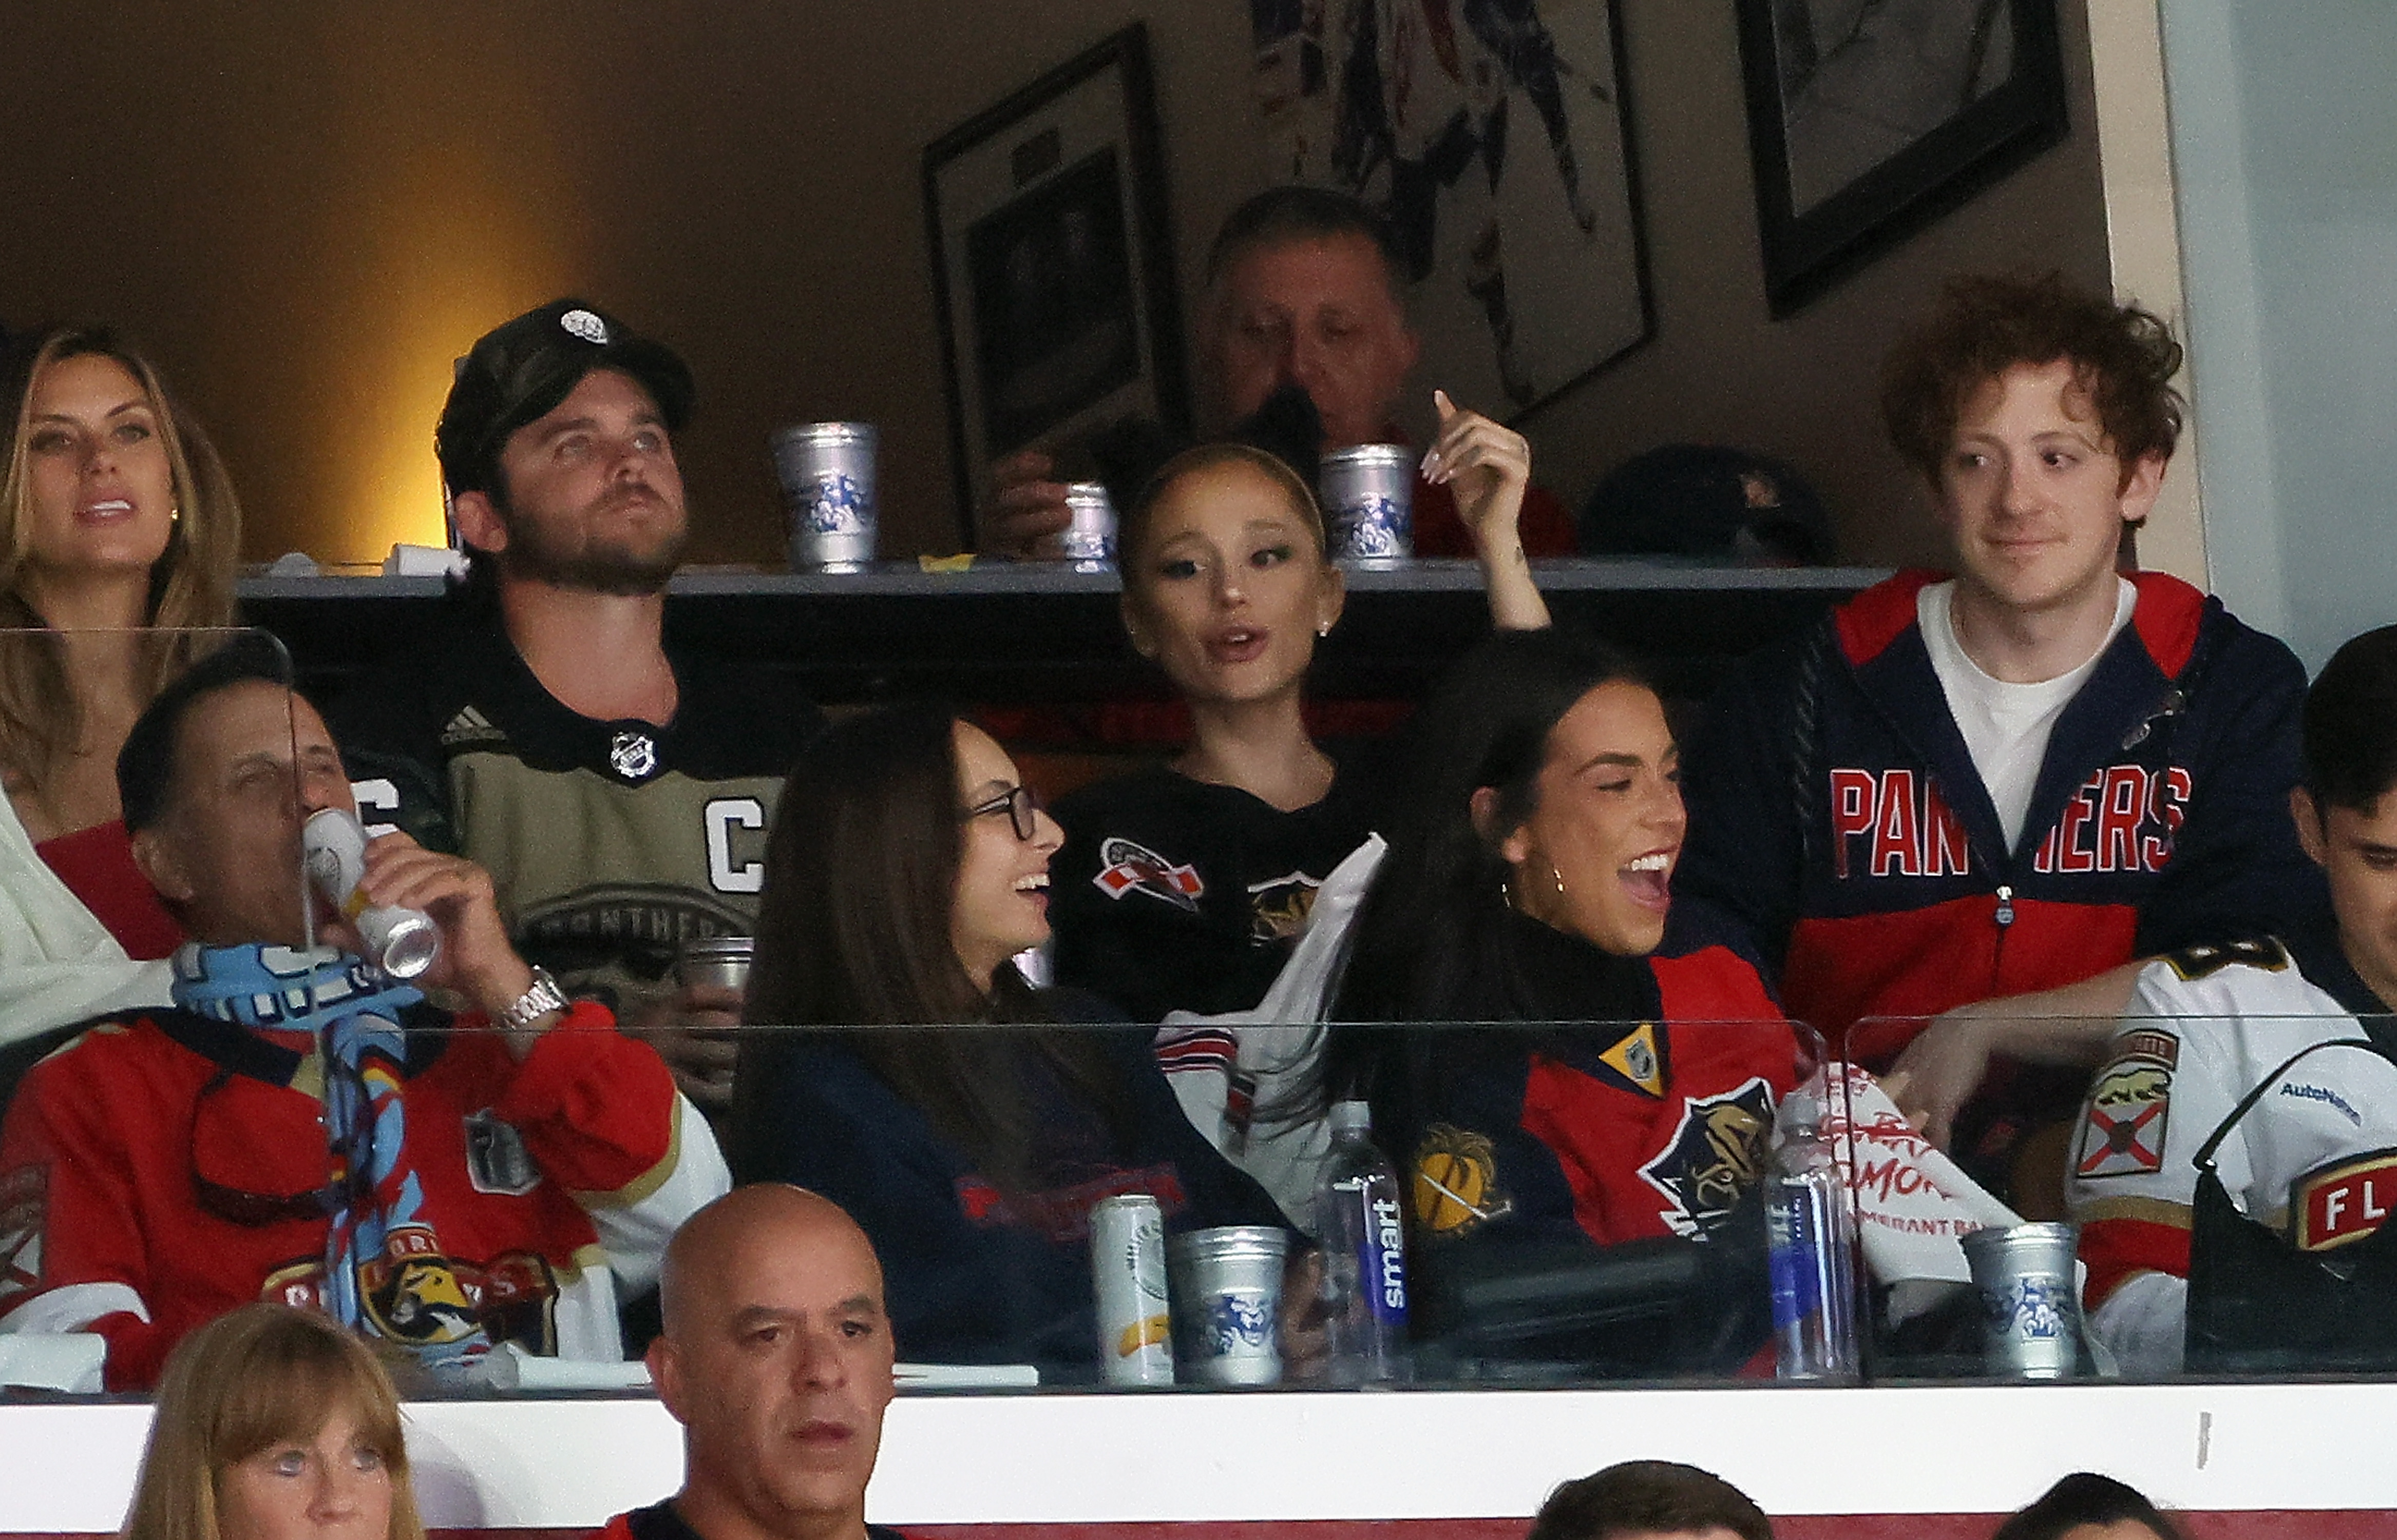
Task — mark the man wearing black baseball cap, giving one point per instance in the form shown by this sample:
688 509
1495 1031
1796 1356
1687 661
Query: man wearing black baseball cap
617 793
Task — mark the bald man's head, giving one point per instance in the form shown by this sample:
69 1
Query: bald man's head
776 1359
767 1216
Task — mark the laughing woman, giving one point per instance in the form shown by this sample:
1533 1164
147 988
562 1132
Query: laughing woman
1528 881
929 1091
1185 888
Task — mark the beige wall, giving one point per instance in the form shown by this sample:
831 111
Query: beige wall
1801 390
307 210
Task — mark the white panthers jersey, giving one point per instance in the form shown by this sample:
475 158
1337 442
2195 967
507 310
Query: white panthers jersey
2315 1159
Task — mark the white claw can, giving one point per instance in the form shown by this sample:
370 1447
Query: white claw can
1128 1272
402 942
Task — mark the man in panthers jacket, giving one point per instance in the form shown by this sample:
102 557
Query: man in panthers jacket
1974 803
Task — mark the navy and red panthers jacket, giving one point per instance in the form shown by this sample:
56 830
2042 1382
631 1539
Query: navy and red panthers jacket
1837 818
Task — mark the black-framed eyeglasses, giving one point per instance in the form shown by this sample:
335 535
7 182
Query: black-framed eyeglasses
1021 806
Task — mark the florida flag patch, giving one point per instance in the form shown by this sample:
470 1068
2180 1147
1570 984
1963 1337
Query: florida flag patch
1126 868
2122 1129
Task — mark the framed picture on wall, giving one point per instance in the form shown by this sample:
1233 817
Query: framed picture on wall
1052 264
1494 136
1869 119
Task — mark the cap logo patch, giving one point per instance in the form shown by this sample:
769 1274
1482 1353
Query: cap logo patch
584 325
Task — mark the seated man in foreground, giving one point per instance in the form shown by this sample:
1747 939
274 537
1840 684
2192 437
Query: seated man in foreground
1649 1500
299 1126
777 1361
2242 1043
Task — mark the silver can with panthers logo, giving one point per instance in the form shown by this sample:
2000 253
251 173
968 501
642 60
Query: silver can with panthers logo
1090 540
1227 1287
2030 1302
826 470
1128 1275
1369 503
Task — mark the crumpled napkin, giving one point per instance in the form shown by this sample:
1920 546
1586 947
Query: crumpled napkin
1914 1205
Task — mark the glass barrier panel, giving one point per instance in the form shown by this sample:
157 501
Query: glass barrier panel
1055 1206
117 860
2194 1194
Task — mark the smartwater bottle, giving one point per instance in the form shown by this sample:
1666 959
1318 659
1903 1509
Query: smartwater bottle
1813 1238
1363 1231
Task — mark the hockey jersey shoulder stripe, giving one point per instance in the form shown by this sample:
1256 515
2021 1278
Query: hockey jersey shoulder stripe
1879 615
2168 616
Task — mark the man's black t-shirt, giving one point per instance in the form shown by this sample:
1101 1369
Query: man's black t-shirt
1171 894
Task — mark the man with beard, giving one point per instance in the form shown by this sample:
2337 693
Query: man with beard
616 792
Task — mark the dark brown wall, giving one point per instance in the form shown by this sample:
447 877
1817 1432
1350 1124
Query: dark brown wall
307 210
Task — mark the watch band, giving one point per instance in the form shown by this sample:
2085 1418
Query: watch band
535 1002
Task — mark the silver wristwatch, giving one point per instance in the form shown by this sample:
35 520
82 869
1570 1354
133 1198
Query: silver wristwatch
534 1004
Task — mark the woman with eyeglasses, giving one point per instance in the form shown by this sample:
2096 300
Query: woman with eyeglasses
1186 886
896 1061
273 1424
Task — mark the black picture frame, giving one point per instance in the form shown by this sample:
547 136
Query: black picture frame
1498 143
1827 202
1053 263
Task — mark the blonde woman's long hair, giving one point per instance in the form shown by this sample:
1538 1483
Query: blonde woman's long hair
191 584
248 1381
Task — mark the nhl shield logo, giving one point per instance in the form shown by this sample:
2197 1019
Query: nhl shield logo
634 756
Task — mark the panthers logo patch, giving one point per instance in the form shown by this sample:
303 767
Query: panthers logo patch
1278 909
1716 1155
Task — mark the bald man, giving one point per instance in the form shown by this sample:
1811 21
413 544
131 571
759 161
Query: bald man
776 1359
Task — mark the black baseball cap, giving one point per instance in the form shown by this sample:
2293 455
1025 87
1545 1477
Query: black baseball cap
520 371
1709 501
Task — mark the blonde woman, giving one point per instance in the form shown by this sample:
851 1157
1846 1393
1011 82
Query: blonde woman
273 1424
115 514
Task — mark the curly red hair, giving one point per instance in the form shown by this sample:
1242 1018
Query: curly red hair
2123 359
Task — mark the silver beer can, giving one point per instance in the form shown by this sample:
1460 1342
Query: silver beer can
1127 1274
1090 541
402 942
1227 1302
714 962
2031 1303
826 470
1369 502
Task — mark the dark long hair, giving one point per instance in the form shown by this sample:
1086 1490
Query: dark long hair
1429 936
2085 1497
854 931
